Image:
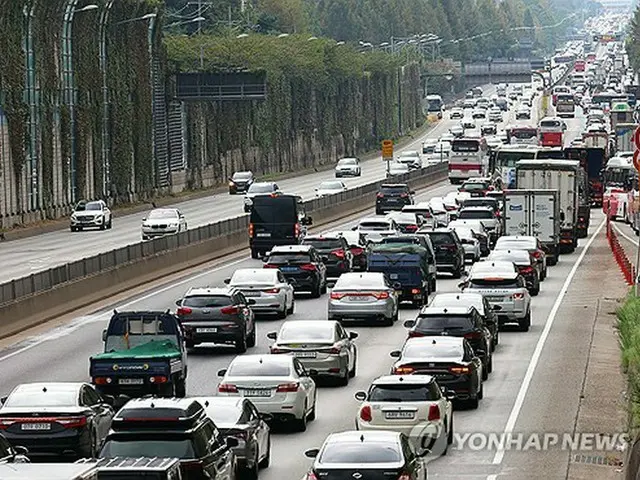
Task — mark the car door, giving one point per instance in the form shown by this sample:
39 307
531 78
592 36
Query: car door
247 314
306 381
470 356
103 413
259 427
486 333
342 339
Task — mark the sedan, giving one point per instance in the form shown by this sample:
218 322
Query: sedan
387 455
276 384
523 113
239 418
457 130
259 188
320 345
397 168
240 182
331 187
163 221
91 215
348 167
57 418
364 295
411 158
450 359
526 265
267 287
456 113
529 243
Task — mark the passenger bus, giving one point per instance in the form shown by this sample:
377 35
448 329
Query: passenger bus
565 105
525 135
435 105
552 132
619 179
502 163
468 158
607 99
558 90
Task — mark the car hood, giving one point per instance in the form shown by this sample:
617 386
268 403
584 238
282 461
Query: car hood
328 192
161 221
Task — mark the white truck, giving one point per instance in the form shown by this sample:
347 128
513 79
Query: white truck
534 213
560 175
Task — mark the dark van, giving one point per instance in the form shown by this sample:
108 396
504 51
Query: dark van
276 220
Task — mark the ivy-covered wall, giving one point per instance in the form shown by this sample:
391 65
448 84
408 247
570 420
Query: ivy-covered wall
324 100
53 118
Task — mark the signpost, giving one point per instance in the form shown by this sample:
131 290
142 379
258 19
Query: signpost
387 152
636 164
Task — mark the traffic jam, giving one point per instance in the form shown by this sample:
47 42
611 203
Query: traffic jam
520 199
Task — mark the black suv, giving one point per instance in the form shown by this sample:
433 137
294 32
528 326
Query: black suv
217 315
463 321
335 253
449 251
301 265
392 197
172 428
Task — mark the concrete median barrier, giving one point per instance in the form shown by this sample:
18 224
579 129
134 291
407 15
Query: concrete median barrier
29 301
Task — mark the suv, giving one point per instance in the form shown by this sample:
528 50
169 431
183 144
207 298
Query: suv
455 321
217 315
301 265
335 251
475 187
488 218
449 251
393 196
170 427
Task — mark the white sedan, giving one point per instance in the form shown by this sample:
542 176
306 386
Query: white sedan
268 287
331 187
412 404
276 384
163 221
397 168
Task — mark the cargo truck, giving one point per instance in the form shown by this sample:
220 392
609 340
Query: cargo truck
560 175
534 213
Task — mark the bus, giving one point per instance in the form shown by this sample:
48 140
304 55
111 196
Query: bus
525 135
502 163
579 66
607 99
558 90
435 105
467 159
619 172
565 105
552 131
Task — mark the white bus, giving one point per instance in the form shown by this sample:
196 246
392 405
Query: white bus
435 105
467 159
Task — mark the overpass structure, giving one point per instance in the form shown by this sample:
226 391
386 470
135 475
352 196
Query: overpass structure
498 71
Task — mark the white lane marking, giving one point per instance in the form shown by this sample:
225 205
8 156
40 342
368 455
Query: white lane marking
535 358
624 235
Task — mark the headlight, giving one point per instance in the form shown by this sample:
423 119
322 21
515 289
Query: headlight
247 200
173 225
231 184
73 217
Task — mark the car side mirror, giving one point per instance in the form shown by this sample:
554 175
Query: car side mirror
480 352
266 417
395 354
450 395
227 281
409 323
272 335
109 400
312 453
353 335
354 228
397 286
496 308
222 373
20 450
232 442
361 396
178 302
3 400
104 335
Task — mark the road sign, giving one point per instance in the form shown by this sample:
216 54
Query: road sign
387 150
636 160
636 137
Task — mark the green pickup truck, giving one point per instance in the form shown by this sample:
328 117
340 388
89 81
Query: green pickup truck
144 353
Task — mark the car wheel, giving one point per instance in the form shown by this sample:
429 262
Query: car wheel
255 254
450 432
490 364
103 225
73 229
264 463
525 323
241 344
481 392
312 414
323 290
352 372
110 224
457 273
251 341
282 314
301 424
181 388
485 371
291 309
535 291
433 285
316 291
474 403
343 381
379 211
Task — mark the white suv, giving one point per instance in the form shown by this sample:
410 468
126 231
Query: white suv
411 404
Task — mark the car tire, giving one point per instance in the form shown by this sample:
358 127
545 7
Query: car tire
301 424
110 224
181 388
103 226
266 461
485 371
450 432
241 344
343 381
323 289
495 341
73 229
255 254
535 291
379 211
282 314
481 392
250 473
312 414
292 309
251 341
353 371
525 323
388 321
490 365
434 285
474 403
316 291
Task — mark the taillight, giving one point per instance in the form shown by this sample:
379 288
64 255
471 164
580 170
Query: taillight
101 381
365 414
70 422
232 310
405 476
337 296
270 265
403 370
184 311
414 334
276 350
311 476
357 251
581 219
380 195
158 379
309 267
288 387
251 230
526 270
272 290
297 230
338 253
404 195
332 350
460 370
537 253
381 295
473 335
227 388
434 413
411 228
518 296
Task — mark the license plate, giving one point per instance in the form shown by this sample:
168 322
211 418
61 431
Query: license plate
263 235
289 269
206 330
399 415
393 276
495 299
305 354
131 381
36 426
251 294
358 298
257 393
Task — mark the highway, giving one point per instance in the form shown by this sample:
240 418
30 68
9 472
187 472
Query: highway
61 354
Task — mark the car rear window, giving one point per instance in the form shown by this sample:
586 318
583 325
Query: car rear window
402 393
472 202
475 214
136 447
206 301
380 226
520 245
266 210
347 282
259 369
436 350
434 322
286 258
324 244
394 190
362 452
439 238
474 186
494 283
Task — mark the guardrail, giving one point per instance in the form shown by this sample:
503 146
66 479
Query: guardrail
220 238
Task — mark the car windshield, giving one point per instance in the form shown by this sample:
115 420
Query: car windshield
361 452
93 206
206 301
253 276
163 214
303 331
402 393
359 281
242 176
28 396
136 447
347 162
475 214
433 350
444 322
514 245
259 369
221 414
474 186
331 186
375 226
440 238
322 244
261 188
285 258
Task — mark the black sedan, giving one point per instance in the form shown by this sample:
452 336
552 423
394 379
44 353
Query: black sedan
366 455
240 182
56 419
238 417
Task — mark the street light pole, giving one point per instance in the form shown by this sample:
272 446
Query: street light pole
106 158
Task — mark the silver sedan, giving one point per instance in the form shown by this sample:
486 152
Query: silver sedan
364 295
320 345
161 222
267 287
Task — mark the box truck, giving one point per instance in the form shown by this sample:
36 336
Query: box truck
560 175
534 213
